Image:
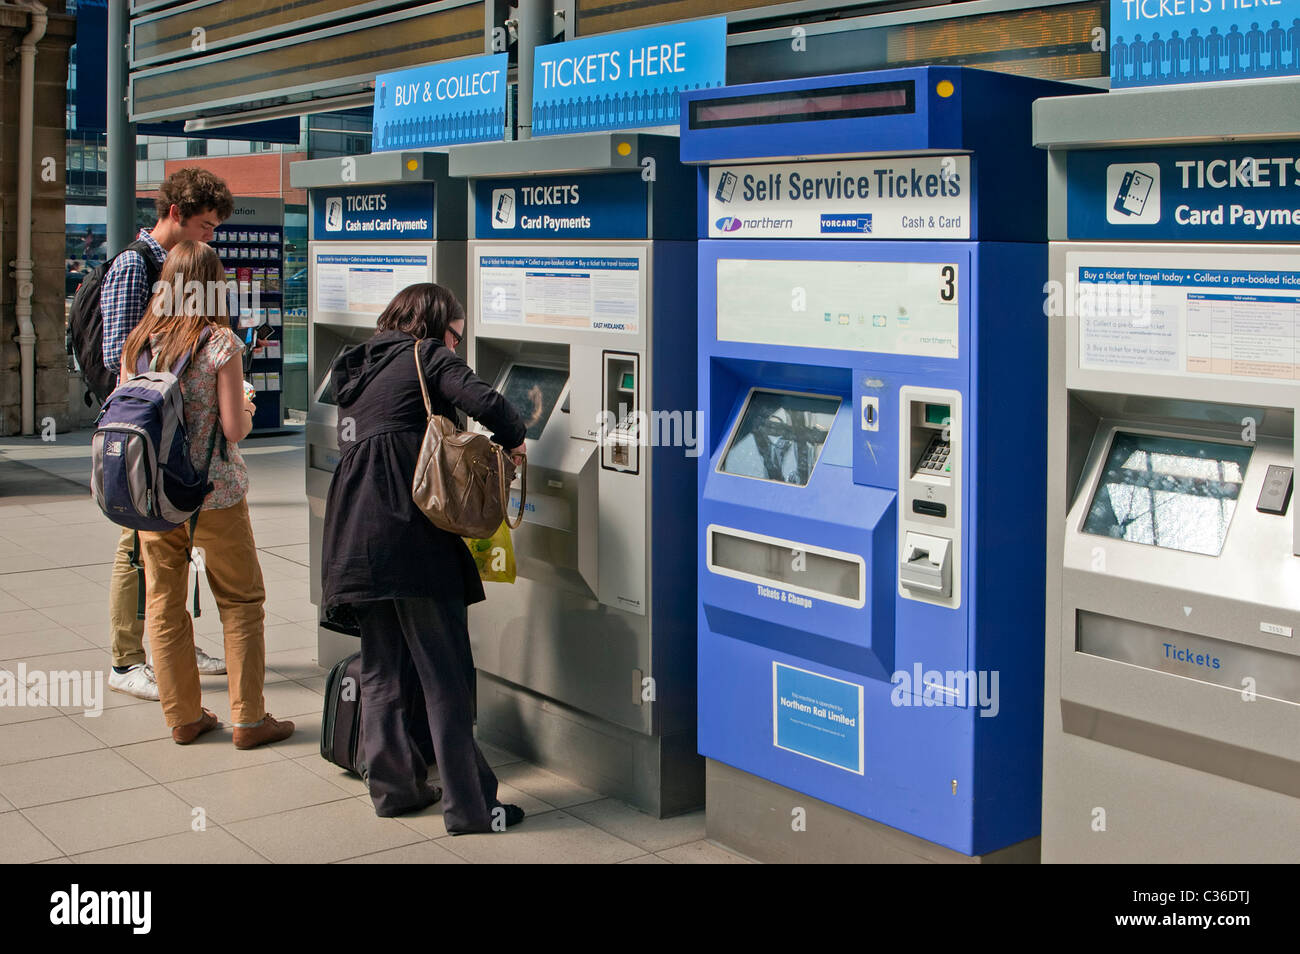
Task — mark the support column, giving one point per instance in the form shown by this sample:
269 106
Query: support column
535 29
121 135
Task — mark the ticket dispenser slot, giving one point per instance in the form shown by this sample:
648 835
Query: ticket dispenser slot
929 520
620 448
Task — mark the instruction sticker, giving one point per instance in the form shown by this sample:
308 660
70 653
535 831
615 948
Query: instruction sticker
1189 315
582 288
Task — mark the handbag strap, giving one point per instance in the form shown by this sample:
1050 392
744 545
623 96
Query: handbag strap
505 495
419 374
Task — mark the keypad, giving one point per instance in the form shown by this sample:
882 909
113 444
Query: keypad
935 459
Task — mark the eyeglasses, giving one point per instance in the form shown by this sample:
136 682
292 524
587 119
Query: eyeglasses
459 337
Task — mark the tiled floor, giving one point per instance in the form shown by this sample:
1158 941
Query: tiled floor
112 787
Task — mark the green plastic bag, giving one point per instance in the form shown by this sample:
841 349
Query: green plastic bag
494 557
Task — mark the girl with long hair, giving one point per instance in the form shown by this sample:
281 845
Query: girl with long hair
191 298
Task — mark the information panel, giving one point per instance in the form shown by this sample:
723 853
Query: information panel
363 283
1188 314
590 288
886 307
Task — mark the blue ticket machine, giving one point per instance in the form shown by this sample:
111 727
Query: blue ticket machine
872 369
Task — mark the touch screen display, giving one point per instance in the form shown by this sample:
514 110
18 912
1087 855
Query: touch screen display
780 436
1168 492
533 391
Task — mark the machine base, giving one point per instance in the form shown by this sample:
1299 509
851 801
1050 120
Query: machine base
332 647
662 776
753 816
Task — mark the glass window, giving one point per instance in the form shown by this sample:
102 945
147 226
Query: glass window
533 391
196 147
780 436
1168 492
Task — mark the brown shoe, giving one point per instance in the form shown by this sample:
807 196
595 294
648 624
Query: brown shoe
185 734
268 730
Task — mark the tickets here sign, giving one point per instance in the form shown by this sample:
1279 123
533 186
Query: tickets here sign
626 80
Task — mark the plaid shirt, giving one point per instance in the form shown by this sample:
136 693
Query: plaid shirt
123 296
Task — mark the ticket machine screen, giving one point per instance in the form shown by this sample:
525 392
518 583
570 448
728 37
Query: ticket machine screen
780 436
533 391
1168 492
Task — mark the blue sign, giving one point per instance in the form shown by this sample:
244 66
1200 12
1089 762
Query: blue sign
1158 42
817 716
378 213
440 105
626 80
588 206
1237 193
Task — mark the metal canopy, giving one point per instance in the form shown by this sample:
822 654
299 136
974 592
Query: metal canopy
590 152
1245 110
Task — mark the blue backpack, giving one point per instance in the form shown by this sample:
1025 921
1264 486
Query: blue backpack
141 473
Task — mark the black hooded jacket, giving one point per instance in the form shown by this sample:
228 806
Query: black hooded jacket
377 544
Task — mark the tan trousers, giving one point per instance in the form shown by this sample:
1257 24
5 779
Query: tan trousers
128 632
230 561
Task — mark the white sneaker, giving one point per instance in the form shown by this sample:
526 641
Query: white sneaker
209 665
137 681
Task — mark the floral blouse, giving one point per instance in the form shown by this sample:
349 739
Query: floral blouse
228 473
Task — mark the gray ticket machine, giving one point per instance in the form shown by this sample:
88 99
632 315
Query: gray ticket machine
581 311
1172 701
378 223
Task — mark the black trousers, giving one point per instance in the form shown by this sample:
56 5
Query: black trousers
412 648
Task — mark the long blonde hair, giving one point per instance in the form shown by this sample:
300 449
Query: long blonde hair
191 294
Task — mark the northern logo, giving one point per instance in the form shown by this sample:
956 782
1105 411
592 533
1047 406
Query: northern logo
728 223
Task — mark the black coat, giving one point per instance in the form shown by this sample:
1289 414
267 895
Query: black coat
377 544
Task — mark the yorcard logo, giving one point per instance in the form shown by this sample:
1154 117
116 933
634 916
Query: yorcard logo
503 208
1133 193
334 214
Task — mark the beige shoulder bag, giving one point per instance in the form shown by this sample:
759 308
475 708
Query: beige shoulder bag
461 478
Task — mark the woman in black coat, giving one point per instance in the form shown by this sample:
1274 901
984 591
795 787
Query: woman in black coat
404 583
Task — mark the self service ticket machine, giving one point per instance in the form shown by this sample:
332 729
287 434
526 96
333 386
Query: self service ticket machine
872 375
1173 610
581 304
378 223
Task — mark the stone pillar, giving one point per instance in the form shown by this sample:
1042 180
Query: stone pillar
48 241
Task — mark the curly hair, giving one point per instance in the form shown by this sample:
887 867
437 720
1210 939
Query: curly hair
192 191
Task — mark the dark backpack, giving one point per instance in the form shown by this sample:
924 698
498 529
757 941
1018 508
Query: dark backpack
86 322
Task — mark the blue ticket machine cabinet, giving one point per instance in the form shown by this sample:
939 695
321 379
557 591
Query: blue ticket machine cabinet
872 369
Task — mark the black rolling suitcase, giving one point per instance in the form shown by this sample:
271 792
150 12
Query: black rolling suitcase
340 732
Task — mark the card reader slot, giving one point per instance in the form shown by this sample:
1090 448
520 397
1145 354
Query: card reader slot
930 508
